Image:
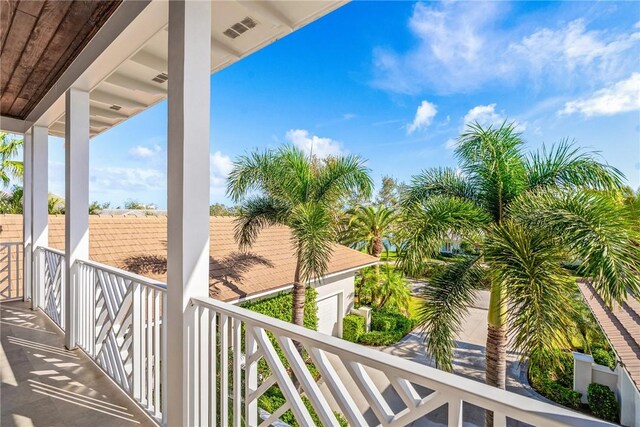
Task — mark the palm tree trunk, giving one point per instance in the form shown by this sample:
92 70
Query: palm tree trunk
298 297
376 247
496 349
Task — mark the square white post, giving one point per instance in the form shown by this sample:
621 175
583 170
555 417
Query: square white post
39 209
76 234
27 198
188 201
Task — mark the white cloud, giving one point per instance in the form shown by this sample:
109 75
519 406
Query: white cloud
621 97
221 166
486 115
461 48
451 143
424 116
574 48
143 152
311 144
129 179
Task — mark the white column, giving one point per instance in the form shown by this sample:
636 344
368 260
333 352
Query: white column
39 207
76 236
26 215
188 199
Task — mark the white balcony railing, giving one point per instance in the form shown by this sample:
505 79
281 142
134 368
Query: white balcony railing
49 268
237 355
119 325
11 271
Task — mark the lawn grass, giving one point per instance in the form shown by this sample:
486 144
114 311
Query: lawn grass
414 307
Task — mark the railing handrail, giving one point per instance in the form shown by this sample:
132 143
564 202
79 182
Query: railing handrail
467 390
52 250
145 281
12 242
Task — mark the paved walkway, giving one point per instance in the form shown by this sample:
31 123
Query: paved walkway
469 355
43 384
469 361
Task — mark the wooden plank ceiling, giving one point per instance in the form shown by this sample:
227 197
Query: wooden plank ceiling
39 40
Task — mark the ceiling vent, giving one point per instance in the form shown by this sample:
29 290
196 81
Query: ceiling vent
240 27
161 78
115 107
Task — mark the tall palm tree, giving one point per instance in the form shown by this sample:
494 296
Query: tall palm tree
287 187
9 166
367 227
531 213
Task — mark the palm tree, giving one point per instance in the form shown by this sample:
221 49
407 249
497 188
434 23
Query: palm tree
9 167
367 227
531 213
287 187
394 293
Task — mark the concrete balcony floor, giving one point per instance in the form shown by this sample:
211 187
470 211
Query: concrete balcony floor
43 384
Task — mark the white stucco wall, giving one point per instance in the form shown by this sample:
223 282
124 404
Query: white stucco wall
342 286
338 283
585 372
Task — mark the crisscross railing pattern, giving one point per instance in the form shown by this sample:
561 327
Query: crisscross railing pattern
120 326
52 261
355 384
11 277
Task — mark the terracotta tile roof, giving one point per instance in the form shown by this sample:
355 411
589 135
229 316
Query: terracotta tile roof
139 244
621 326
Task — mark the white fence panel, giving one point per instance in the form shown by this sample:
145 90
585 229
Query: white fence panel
11 271
52 261
120 327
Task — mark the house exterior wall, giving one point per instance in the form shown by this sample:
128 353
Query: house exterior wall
585 372
342 286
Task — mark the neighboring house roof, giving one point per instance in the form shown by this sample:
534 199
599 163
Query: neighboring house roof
621 326
139 245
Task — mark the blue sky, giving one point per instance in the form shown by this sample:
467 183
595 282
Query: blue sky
395 82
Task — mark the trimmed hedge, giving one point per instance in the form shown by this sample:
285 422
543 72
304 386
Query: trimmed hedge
603 402
353 327
556 383
387 328
604 357
281 307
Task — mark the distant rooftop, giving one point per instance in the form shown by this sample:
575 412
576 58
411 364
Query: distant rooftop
621 326
139 245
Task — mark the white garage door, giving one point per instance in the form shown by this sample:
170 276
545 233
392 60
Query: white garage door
328 315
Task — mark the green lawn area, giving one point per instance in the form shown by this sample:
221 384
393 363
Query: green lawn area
414 306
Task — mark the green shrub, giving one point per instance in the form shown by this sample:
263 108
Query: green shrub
273 399
378 338
604 357
562 395
382 323
387 328
602 402
556 383
281 307
353 326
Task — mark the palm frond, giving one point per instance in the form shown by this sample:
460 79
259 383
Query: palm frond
425 225
364 225
492 160
526 263
254 215
313 234
338 176
566 166
440 182
444 305
596 229
250 173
